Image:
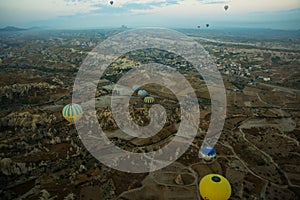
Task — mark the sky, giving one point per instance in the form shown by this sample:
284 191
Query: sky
81 14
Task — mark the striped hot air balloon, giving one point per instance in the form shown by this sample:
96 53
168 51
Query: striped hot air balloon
148 100
72 112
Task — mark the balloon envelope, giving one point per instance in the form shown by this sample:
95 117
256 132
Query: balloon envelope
226 7
142 92
208 150
111 2
148 100
214 187
72 112
207 153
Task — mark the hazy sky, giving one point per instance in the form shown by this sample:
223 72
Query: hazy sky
278 14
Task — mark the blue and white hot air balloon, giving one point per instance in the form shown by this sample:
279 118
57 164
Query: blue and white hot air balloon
208 153
142 93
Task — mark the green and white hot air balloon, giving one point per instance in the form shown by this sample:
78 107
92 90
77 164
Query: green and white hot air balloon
72 112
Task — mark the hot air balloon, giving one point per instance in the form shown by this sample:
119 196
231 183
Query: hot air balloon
208 153
226 7
148 100
111 2
198 26
72 112
214 187
207 25
148 38
142 93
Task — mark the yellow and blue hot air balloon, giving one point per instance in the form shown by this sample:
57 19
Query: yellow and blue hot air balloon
148 100
214 187
72 112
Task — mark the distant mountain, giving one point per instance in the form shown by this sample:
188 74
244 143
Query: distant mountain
35 28
12 28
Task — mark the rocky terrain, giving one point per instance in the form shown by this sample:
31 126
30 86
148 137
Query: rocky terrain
42 156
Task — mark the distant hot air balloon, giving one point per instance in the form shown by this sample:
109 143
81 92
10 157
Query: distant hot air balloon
214 187
226 7
72 112
148 100
208 153
207 25
148 38
142 93
198 26
111 2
